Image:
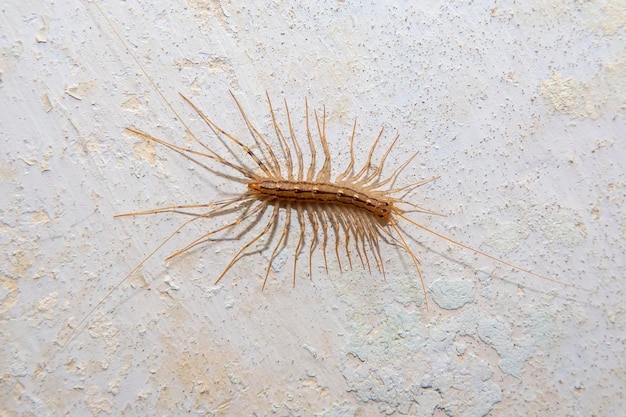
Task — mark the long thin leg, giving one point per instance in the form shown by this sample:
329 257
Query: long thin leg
185 151
375 247
300 241
218 205
324 174
311 171
416 261
350 223
145 73
278 244
314 223
410 187
394 176
367 163
360 238
255 134
73 334
418 209
281 140
204 238
519 268
350 166
336 225
270 172
381 164
237 256
294 139
324 223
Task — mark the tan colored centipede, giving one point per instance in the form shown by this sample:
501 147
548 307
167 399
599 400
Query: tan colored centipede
359 206
354 205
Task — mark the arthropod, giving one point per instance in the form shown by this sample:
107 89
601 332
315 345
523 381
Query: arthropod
356 206
359 208
349 214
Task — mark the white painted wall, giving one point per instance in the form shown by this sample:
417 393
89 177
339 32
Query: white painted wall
519 107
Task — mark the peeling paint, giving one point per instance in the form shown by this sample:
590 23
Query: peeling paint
603 94
519 108
452 294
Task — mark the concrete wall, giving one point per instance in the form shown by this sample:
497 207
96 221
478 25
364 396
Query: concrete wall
518 106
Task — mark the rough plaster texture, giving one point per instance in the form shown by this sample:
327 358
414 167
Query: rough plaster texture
519 106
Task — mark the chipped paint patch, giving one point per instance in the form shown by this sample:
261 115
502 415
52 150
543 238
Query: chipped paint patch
452 294
601 95
404 366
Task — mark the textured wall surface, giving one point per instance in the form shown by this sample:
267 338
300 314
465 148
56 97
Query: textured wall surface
519 107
